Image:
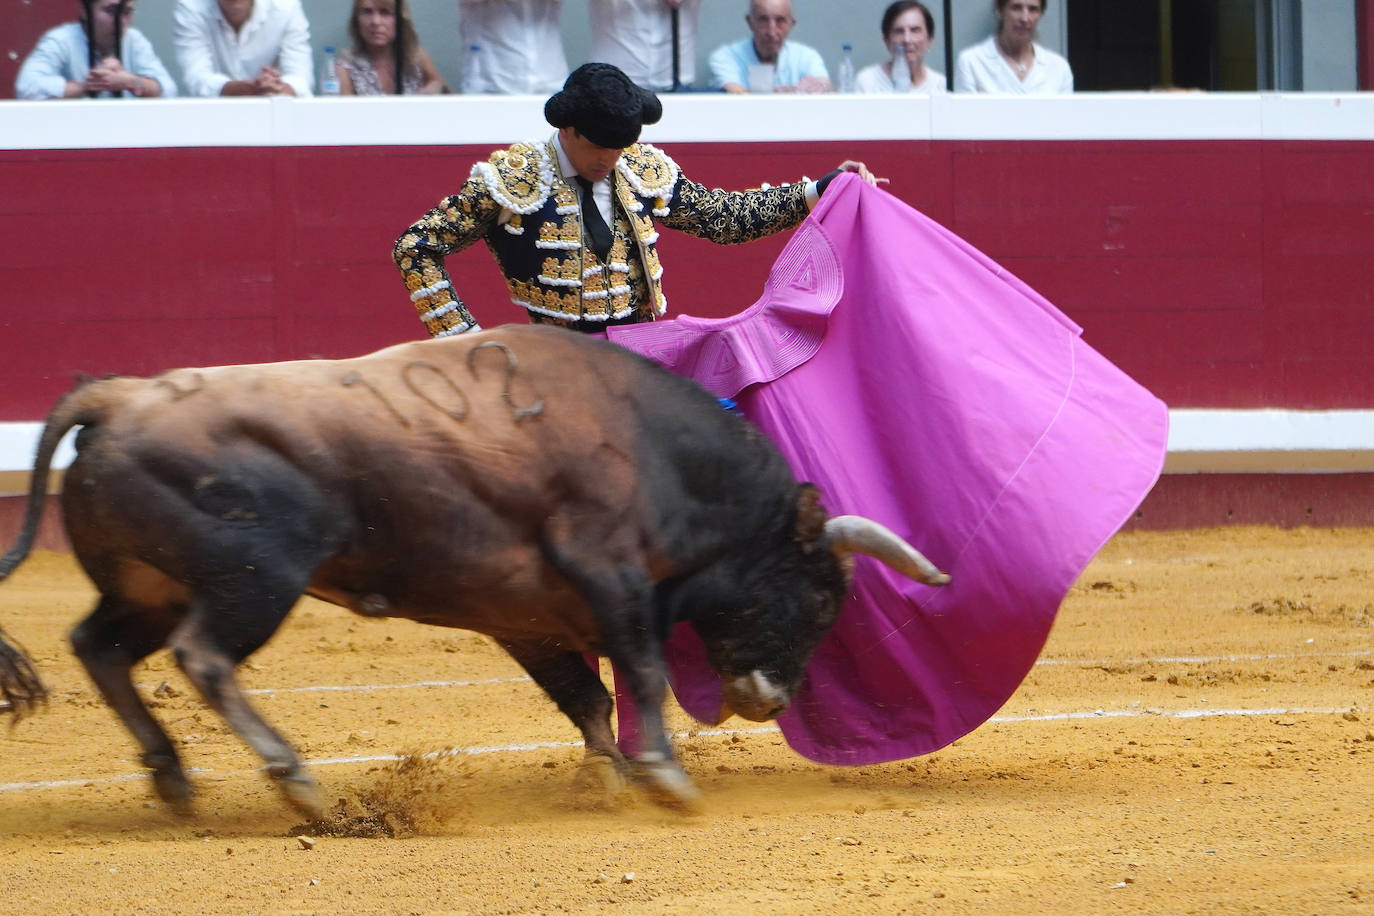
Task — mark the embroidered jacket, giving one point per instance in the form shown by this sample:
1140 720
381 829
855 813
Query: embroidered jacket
541 249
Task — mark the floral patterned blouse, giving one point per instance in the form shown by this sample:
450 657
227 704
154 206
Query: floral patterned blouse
367 82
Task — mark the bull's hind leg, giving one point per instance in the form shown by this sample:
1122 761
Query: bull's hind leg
571 683
217 635
117 635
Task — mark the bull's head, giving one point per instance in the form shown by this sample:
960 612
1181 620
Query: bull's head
769 618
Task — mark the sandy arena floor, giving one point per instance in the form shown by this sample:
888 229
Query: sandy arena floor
1198 737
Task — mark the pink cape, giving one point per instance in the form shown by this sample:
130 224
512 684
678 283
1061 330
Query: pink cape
919 384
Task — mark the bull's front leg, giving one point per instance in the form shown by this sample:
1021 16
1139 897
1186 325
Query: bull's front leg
654 765
576 688
622 601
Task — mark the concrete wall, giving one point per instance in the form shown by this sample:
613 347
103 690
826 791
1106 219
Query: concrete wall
1216 247
1328 61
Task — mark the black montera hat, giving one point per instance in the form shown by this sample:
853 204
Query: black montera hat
603 105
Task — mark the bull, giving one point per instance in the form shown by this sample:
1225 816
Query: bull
555 492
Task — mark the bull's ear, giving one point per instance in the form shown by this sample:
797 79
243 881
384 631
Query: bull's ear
811 515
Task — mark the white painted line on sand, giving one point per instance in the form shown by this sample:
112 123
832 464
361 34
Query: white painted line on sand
1052 662
345 688
6 787
1202 659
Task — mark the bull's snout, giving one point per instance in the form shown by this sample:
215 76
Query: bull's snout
755 697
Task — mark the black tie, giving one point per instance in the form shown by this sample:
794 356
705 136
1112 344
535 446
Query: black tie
594 223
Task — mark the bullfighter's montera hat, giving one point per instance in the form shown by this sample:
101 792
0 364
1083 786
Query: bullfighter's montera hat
604 105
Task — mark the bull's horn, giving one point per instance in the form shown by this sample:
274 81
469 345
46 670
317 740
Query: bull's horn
856 534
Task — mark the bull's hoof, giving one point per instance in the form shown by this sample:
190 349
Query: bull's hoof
600 774
169 781
175 790
666 784
301 791
599 783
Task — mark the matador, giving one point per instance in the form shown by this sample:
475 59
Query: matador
573 221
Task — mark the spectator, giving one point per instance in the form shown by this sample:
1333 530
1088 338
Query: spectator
369 67
909 24
521 45
796 67
244 47
1011 61
637 36
59 67
572 221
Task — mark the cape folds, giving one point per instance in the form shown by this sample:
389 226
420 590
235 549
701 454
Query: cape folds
919 384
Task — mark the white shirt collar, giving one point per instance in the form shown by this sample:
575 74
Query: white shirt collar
565 166
250 25
601 190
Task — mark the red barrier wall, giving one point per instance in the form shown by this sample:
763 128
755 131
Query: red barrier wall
1218 273
25 23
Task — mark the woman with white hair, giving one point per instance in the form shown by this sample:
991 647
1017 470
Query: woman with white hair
908 26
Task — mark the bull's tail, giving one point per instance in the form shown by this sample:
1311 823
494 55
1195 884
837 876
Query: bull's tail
85 405
20 686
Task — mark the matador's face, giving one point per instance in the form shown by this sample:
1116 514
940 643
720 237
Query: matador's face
590 161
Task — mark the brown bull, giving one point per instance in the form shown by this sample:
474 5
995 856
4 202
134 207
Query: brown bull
555 492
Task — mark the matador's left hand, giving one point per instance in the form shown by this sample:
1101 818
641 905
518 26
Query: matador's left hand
849 165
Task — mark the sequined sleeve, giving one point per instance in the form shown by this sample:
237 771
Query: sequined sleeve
731 217
457 222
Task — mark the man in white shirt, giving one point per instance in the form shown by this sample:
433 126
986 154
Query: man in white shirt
796 67
244 47
637 36
60 65
521 46
1010 61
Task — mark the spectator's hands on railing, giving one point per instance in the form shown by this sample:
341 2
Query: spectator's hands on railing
269 82
807 84
110 76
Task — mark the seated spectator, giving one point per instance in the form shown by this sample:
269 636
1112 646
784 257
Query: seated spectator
1011 61
521 45
86 58
244 47
796 67
637 36
369 67
909 25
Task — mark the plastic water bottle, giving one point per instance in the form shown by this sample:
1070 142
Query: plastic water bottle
473 83
329 76
901 72
846 71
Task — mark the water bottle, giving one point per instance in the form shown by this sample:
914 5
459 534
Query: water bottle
901 72
846 72
329 76
472 71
